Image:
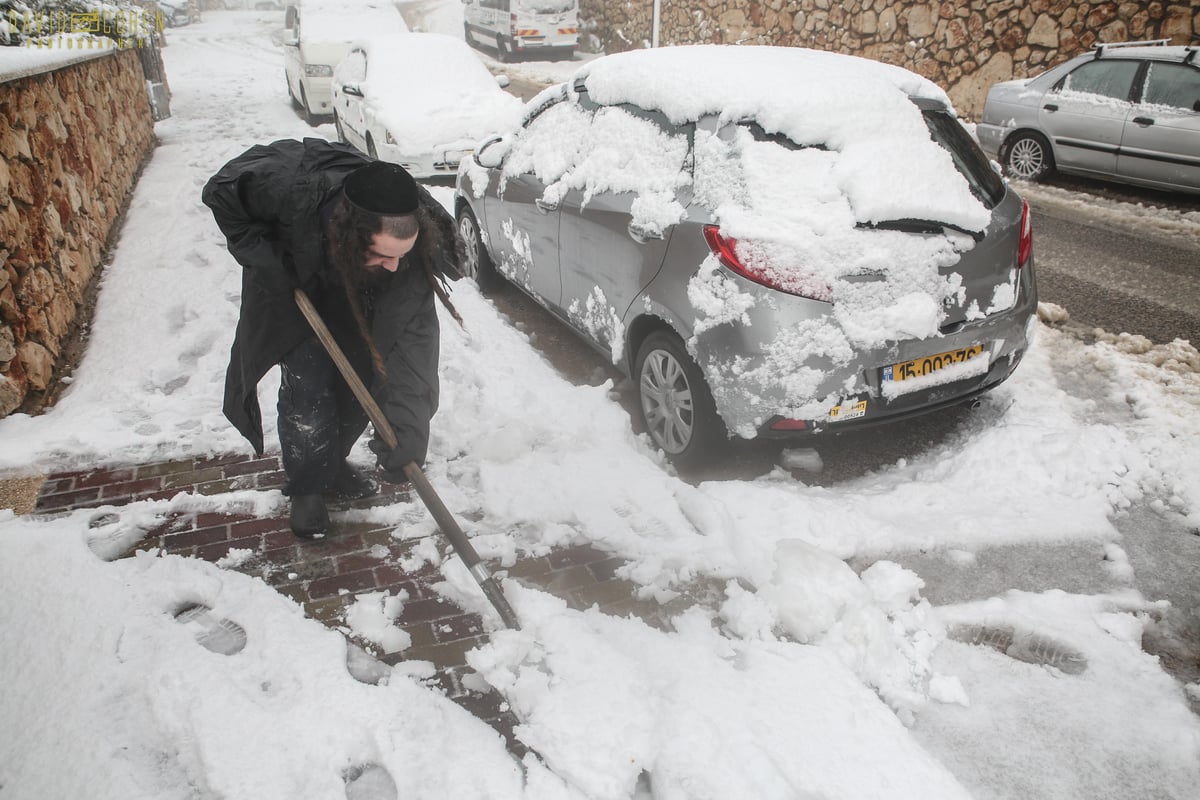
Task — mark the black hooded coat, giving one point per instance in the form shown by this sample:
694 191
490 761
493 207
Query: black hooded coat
269 203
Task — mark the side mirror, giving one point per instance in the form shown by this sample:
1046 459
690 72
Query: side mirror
291 39
502 81
490 154
352 89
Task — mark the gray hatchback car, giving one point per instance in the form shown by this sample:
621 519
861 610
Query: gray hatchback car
1128 112
772 242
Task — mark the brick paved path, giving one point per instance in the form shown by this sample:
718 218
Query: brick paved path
325 576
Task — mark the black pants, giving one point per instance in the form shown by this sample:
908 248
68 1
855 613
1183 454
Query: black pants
319 419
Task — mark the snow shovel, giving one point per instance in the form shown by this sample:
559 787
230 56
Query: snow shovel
445 520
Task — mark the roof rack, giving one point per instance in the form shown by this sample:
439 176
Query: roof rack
1101 47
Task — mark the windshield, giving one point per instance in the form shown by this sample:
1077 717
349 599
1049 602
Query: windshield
545 6
969 160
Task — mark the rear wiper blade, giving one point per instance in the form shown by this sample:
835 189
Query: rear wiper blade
909 225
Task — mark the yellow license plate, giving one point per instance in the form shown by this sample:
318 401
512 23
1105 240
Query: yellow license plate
845 411
920 367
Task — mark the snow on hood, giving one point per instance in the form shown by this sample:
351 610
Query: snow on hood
431 90
861 109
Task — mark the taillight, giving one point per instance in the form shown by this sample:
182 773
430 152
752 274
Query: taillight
789 425
512 24
725 249
1025 246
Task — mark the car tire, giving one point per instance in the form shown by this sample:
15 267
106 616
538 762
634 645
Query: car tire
371 151
504 53
675 402
291 96
337 123
477 264
309 116
467 34
1027 155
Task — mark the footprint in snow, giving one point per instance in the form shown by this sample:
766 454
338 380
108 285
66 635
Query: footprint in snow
1023 645
364 667
213 633
370 782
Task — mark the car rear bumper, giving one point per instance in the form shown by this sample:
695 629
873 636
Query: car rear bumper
758 389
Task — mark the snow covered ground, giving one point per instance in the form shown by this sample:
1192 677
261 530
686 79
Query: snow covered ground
807 679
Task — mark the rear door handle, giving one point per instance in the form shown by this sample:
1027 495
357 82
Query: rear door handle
1050 107
544 206
1143 121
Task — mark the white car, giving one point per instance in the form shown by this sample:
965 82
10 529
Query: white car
317 35
545 28
421 100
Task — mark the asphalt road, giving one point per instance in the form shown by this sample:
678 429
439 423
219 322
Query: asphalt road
1118 280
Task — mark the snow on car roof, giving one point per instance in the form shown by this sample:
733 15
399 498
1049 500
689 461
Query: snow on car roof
889 167
327 21
431 90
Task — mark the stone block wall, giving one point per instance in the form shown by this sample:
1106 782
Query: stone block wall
963 46
72 141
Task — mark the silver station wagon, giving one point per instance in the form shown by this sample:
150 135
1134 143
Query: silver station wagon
1128 112
772 242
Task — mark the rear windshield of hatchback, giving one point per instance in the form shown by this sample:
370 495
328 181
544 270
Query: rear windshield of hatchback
970 161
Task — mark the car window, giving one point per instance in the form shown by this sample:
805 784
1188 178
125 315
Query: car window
969 160
1107 78
545 6
354 68
1175 85
600 150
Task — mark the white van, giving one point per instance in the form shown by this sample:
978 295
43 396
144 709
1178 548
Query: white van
545 27
317 35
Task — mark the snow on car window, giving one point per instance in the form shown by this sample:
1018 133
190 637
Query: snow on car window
794 224
608 150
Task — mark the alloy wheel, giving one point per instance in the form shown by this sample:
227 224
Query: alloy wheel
466 230
667 402
1027 158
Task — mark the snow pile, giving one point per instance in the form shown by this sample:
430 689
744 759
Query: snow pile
373 617
678 706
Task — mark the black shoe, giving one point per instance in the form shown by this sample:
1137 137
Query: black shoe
351 485
310 518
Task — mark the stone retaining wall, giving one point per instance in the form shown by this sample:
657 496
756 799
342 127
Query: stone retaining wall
963 46
71 143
